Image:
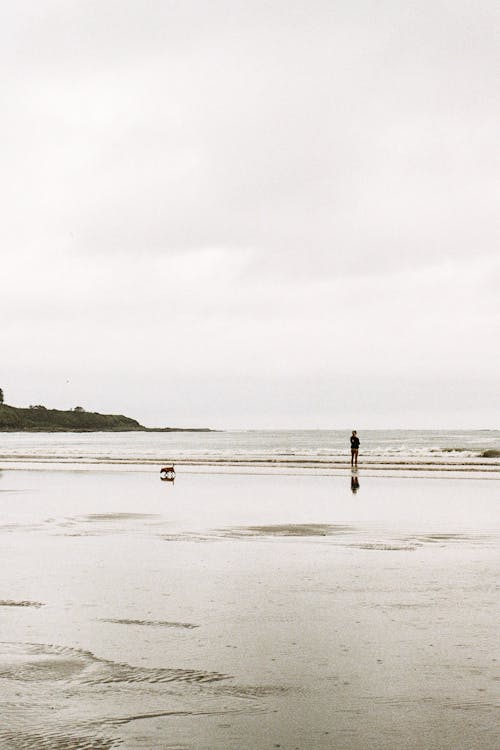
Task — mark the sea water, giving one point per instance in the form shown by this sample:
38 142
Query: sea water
461 450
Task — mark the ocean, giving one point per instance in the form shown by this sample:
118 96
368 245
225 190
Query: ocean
311 450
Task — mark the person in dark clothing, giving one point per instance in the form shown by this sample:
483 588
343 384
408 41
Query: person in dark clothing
354 448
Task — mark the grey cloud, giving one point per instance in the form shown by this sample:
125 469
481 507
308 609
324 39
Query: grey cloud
331 130
248 175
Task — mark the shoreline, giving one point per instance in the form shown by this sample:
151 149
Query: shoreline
244 469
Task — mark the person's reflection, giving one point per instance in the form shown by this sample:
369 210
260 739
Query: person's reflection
354 483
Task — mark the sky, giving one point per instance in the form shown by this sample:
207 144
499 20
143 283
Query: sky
249 214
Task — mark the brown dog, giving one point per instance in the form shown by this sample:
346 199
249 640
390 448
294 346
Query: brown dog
167 473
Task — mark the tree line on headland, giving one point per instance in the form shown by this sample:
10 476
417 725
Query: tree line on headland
37 418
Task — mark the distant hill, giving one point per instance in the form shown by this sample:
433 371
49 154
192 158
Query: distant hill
41 419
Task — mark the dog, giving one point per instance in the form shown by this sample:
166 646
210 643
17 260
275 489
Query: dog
167 473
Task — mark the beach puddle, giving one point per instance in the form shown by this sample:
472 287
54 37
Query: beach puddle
11 528
412 543
285 530
384 546
451 538
274 531
105 517
102 524
93 524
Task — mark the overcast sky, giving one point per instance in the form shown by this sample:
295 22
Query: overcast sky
249 213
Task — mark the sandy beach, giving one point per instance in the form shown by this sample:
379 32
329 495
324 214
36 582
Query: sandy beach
233 611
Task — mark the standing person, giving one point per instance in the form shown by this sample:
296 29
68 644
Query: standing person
354 448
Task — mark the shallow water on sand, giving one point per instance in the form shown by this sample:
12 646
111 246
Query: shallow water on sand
247 612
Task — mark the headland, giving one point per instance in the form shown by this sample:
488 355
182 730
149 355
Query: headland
40 419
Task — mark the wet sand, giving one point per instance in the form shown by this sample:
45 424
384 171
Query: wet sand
229 611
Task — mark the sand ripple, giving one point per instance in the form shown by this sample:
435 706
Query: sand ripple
29 662
127 674
60 698
152 623
57 741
